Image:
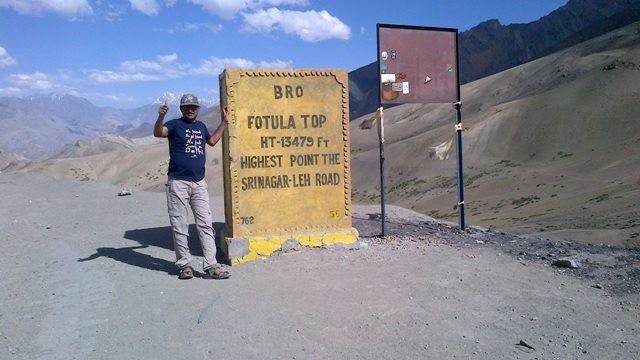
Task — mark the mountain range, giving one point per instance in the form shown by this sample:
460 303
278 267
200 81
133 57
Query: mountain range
491 47
551 148
64 119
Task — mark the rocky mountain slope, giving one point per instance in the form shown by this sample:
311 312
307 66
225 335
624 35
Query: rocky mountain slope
551 147
64 119
491 47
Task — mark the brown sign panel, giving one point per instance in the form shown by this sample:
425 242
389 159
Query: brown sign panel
417 64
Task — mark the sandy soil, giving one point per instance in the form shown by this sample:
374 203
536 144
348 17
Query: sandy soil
87 274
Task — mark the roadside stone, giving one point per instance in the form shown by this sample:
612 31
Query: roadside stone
238 248
568 263
124 192
290 245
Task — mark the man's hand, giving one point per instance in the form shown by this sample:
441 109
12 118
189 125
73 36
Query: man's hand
223 119
164 109
220 130
159 130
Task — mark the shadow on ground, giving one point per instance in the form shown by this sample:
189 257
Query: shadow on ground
160 237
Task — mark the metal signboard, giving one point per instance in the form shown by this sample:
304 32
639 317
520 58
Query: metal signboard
417 64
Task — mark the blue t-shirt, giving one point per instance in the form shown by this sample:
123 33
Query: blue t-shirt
187 149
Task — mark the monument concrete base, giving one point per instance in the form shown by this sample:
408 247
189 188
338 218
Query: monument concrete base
244 249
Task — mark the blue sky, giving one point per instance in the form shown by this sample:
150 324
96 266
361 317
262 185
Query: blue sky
127 53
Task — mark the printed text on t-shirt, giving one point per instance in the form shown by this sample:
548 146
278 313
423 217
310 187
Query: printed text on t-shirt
193 142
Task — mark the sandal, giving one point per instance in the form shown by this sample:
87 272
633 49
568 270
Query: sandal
216 272
186 273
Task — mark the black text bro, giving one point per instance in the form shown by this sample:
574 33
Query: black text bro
287 92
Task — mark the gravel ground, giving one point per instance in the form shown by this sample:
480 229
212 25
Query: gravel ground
87 274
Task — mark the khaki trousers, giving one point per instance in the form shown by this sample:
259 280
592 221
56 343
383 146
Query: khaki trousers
182 194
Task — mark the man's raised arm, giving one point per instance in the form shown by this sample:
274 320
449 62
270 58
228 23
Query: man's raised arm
159 130
217 134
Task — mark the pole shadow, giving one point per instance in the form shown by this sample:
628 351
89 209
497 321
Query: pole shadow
369 226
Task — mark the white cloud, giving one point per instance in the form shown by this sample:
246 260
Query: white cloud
214 65
108 76
168 58
29 83
163 67
11 91
186 27
225 9
111 97
71 8
168 67
34 81
311 26
147 7
134 66
261 4
110 11
5 58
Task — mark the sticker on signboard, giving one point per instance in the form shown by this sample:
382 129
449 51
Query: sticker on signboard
405 87
384 55
393 55
383 67
401 76
387 78
387 92
396 87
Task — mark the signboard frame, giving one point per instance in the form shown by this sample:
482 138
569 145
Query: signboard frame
417 64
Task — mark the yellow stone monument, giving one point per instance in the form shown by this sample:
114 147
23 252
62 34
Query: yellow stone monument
286 160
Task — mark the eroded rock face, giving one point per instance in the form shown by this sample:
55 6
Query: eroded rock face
492 47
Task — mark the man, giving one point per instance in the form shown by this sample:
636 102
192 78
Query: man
186 185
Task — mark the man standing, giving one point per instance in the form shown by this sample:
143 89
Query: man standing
186 185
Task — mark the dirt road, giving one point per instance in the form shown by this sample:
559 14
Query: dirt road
89 275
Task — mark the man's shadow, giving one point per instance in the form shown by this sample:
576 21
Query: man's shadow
161 237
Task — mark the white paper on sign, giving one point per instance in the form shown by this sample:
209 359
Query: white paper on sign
405 87
387 78
380 122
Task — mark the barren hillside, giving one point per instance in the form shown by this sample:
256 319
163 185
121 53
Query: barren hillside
551 147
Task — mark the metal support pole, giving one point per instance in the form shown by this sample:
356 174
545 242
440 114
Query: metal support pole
380 119
458 105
